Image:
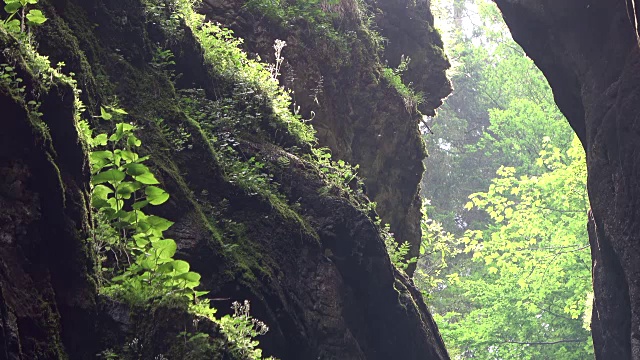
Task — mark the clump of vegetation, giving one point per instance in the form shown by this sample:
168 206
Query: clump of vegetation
393 77
145 269
314 12
437 248
135 262
21 16
507 182
325 19
122 186
397 252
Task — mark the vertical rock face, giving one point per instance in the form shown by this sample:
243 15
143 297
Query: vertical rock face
45 293
309 258
589 52
339 85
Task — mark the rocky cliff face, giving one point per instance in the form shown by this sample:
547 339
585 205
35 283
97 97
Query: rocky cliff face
589 52
312 263
45 289
338 84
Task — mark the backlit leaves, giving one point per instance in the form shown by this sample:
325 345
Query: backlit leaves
122 187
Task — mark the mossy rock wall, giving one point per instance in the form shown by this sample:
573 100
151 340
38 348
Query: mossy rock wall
335 76
46 292
312 264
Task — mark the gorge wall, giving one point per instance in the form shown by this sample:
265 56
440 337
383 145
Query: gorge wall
310 259
589 52
337 84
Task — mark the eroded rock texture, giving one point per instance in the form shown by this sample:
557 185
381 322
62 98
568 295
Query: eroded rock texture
337 83
45 292
589 52
311 262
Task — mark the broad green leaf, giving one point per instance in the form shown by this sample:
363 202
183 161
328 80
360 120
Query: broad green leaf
100 140
139 205
166 248
147 179
12 7
101 192
158 223
191 276
101 155
112 176
137 169
156 195
104 114
129 156
180 266
148 263
13 26
141 241
127 188
132 140
36 17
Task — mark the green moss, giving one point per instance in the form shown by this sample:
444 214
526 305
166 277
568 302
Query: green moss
62 43
285 210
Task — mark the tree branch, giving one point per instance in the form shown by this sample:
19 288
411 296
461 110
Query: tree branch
544 342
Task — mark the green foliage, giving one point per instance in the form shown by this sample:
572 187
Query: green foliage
529 274
222 52
316 13
20 15
337 173
9 79
437 248
166 13
325 20
39 65
163 61
342 177
501 109
242 328
178 139
122 186
397 252
507 267
223 121
394 78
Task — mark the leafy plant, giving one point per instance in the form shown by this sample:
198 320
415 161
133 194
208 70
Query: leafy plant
9 79
393 77
242 328
437 248
163 60
20 15
122 187
397 252
178 139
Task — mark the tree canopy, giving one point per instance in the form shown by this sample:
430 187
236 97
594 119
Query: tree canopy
505 262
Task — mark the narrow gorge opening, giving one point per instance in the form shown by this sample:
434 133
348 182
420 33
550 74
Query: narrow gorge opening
505 264
239 179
